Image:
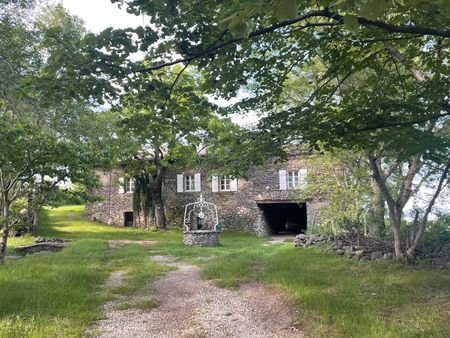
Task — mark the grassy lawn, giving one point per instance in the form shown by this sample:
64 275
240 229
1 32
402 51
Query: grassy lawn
344 298
60 294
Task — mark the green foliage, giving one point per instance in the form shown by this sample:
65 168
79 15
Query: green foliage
74 195
159 117
341 179
389 108
436 240
232 149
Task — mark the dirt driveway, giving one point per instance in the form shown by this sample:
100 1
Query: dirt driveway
189 306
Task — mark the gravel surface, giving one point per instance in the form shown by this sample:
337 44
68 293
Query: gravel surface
192 307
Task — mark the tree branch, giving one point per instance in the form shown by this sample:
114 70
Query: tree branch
323 13
423 222
407 29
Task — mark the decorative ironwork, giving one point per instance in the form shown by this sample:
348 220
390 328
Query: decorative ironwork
198 210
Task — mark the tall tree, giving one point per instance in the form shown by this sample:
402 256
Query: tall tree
37 149
30 156
164 118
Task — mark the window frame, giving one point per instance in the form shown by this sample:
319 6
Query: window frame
191 182
129 185
295 174
227 181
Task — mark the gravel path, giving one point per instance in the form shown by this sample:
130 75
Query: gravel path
192 307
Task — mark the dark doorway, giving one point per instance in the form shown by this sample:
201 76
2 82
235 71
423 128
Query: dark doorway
284 216
128 219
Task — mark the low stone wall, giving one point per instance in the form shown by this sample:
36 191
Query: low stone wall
351 245
201 237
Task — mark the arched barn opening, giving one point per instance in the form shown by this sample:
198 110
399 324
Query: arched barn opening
284 217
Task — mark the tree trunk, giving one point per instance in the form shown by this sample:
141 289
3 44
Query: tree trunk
5 214
31 214
160 214
395 227
394 210
377 210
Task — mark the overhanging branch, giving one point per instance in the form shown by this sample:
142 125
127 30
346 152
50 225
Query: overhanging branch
324 13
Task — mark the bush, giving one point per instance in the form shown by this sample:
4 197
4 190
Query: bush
75 195
436 240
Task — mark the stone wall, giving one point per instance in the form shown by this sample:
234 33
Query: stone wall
237 210
112 204
201 238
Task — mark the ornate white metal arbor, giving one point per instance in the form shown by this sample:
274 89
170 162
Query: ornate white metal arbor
198 209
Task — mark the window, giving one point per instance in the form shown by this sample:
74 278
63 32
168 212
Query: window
128 185
189 183
293 180
225 183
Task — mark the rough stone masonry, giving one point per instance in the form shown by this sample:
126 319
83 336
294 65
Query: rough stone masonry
238 200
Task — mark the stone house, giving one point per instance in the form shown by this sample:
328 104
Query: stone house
268 201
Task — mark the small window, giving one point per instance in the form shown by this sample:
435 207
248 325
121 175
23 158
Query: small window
293 180
128 185
225 183
189 183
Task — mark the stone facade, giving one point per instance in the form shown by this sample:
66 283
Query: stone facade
239 210
201 237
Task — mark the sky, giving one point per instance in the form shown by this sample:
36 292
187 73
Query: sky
100 14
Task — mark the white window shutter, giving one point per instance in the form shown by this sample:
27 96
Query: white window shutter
233 184
282 178
302 177
121 185
179 183
198 182
215 183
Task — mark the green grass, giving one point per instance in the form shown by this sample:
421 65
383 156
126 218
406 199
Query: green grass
68 222
60 294
339 297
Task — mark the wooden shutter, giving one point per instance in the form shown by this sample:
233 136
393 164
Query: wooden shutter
302 177
179 183
121 185
282 179
233 184
198 182
215 183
